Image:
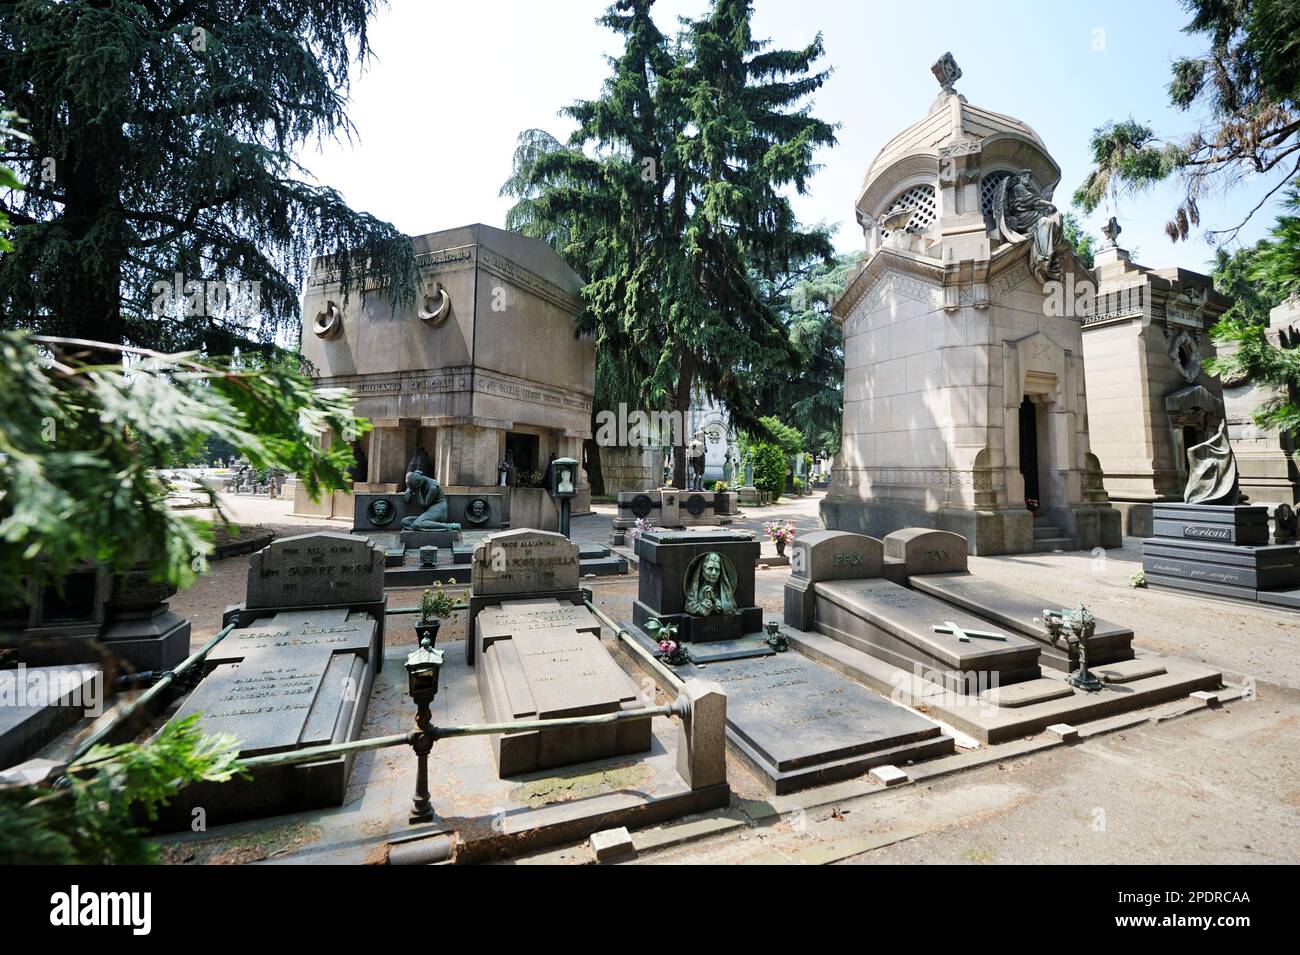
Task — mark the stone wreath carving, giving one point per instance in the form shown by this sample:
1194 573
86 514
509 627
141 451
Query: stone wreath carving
328 323
435 306
1186 354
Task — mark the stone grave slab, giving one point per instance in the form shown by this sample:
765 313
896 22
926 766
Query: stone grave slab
37 703
1221 524
543 660
897 625
1012 713
798 723
1022 614
299 678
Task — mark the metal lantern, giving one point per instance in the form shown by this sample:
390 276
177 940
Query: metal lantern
422 669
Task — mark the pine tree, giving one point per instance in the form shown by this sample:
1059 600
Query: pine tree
670 193
162 142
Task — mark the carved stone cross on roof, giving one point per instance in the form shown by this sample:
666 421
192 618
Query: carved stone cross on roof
964 635
946 71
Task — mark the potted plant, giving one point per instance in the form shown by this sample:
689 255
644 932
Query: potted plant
670 648
434 605
780 533
1032 505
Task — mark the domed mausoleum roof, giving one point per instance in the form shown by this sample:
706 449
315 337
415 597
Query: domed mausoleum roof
953 126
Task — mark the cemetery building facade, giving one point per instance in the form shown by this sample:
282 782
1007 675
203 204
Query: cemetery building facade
964 392
482 380
1149 396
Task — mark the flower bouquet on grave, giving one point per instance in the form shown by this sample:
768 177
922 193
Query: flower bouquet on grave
1032 505
642 525
671 651
780 533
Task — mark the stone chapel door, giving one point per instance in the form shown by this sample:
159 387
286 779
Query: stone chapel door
1029 447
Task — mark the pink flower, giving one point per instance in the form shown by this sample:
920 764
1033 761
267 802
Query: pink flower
667 646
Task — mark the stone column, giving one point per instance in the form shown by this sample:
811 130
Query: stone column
467 455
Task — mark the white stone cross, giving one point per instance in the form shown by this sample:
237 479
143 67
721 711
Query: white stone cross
965 635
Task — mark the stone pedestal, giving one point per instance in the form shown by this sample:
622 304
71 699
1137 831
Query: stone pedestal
1221 550
663 560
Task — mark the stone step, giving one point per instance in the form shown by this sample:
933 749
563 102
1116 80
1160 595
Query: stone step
1044 531
1047 544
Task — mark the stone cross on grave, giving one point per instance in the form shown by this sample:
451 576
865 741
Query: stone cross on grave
963 634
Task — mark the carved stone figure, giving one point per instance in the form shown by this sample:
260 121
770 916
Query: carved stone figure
695 452
710 585
427 493
1212 472
1022 212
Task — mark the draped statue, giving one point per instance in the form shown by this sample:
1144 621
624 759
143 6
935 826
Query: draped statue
1212 471
1022 212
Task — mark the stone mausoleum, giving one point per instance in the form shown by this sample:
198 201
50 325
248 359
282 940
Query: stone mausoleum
1149 396
483 371
964 394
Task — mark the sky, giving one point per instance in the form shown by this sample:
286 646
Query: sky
439 106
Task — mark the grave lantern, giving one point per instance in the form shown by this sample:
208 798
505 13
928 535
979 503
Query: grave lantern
422 669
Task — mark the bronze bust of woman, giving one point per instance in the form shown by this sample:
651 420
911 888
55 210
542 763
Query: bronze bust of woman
710 585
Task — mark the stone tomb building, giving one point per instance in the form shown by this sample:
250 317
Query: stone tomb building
964 393
483 368
1149 397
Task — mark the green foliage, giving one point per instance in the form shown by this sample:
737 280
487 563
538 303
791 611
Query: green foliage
163 140
1083 243
770 465
782 435
95 819
1259 278
1247 84
436 603
7 178
810 395
79 444
673 188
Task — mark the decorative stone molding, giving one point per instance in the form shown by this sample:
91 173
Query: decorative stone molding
980 479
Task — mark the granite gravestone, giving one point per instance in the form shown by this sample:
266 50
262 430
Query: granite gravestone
925 551
292 675
798 723
541 659
315 570
1022 614
665 559
1222 550
521 563
826 555
915 631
